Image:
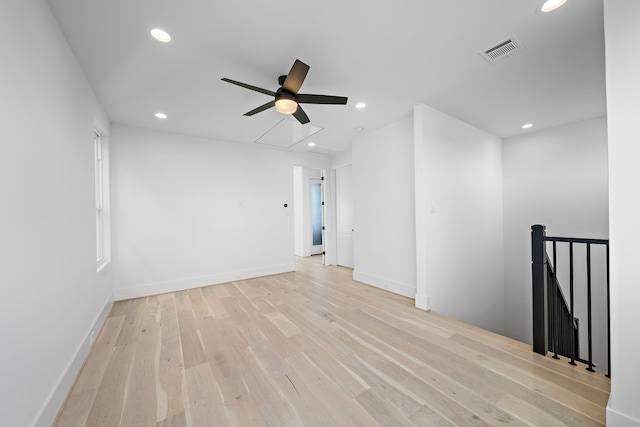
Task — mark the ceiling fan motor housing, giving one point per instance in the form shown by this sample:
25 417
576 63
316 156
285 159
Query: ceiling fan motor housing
282 93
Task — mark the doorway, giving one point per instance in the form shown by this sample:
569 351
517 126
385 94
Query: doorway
317 205
309 215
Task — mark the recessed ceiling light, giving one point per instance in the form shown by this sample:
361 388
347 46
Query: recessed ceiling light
311 144
161 115
360 105
527 126
551 5
358 129
160 35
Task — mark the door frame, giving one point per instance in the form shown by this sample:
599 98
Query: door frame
316 249
302 233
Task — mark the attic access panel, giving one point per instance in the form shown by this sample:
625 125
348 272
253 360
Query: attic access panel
287 133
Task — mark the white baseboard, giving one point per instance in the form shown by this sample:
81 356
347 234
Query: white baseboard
386 284
52 405
145 290
616 419
422 302
305 253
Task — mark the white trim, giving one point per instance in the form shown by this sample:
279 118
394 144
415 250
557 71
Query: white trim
616 419
420 188
103 263
49 410
330 217
422 302
386 284
148 289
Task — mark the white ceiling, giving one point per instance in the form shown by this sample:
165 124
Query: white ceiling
391 55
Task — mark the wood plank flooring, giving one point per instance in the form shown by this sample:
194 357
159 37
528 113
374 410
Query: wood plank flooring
315 348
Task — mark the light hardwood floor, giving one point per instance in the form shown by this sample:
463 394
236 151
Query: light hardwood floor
315 348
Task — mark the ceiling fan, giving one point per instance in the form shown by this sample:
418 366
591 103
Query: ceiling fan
286 98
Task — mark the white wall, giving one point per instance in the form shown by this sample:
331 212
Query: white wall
622 34
558 178
337 161
384 241
342 159
191 212
344 216
52 296
459 219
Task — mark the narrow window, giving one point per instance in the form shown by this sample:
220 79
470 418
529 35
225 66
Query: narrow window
102 226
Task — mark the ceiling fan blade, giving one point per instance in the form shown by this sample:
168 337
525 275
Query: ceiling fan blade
306 98
246 86
260 108
296 76
301 116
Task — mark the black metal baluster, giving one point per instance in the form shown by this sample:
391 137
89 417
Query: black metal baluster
573 333
589 332
608 375
556 334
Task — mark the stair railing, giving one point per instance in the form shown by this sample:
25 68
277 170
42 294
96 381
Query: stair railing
555 327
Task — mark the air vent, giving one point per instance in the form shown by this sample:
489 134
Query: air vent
501 50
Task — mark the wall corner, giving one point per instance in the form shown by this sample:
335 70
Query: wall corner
422 302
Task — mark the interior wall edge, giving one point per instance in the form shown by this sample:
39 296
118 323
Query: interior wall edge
49 411
422 302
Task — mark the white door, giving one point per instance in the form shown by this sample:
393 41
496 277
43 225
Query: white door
344 205
315 192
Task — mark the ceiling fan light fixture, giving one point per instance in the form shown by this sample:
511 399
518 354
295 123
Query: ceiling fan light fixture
286 105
